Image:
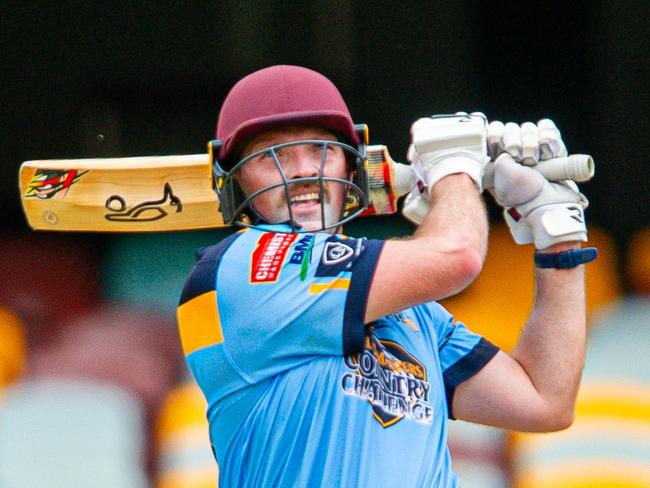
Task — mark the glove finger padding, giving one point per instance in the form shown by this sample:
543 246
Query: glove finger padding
552 211
495 132
527 143
550 140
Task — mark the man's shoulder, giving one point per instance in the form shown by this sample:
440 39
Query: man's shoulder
214 251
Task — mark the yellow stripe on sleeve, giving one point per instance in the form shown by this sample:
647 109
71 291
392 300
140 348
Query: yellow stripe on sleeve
337 284
199 324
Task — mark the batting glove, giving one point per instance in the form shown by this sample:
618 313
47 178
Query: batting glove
536 210
442 145
446 144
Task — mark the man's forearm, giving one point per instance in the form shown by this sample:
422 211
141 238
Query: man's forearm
458 215
552 345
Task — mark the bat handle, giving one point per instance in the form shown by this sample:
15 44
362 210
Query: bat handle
575 167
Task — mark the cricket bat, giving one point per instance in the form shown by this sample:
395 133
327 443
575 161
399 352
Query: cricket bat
174 193
157 193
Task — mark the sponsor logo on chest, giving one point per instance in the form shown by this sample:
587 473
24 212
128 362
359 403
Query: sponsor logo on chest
268 257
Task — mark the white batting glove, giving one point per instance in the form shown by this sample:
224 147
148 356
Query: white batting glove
527 143
446 144
536 210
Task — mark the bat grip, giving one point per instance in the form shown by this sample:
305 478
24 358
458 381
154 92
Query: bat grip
575 167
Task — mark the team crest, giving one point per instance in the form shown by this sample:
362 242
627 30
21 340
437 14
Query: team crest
339 254
336 252
393 381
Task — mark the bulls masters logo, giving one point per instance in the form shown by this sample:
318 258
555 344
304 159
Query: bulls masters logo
393 381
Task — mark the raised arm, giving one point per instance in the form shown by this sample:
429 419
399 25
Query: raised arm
446 253
535 387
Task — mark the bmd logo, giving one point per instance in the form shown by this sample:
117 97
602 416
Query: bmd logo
302 254
302 249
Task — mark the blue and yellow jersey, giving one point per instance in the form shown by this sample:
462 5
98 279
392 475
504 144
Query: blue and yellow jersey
300 392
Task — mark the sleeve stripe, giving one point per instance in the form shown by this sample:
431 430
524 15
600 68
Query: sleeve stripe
199 323
357 298
337 284
465 368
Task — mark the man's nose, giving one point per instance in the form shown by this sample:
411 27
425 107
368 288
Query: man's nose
302 164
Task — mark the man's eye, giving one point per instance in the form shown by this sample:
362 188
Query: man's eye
334 150
329 148
265 156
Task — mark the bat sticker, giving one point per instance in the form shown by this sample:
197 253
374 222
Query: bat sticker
48 182
142 212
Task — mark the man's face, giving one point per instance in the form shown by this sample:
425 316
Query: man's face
297 161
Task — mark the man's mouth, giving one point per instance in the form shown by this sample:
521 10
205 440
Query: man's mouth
305 199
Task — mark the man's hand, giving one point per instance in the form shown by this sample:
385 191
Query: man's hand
536 210
443 145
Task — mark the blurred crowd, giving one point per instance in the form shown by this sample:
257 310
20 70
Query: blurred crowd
94 391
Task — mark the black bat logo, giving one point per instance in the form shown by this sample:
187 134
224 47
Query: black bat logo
142 212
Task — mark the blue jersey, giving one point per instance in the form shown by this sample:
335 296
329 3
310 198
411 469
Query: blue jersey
300 392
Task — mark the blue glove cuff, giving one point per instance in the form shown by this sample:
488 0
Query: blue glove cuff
566 259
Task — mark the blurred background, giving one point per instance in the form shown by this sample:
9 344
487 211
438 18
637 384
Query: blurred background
89 353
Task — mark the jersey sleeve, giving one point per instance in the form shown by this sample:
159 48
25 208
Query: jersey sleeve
462 352
281 298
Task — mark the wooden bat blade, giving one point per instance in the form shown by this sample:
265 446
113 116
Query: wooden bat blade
135 194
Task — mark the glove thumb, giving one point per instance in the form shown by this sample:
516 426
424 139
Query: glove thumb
515 184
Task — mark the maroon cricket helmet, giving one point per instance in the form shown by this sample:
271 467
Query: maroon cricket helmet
280 96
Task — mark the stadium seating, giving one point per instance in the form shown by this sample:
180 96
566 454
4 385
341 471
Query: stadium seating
47 279
478 455
185 459
638 262
136 350
607 446
150 270
603 276
13 347
68 434
497 304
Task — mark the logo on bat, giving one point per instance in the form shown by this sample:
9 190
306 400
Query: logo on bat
142 212
46 183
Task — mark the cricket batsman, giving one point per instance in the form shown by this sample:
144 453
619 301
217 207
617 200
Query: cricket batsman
325 359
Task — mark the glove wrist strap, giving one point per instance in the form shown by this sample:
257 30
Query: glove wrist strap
456 163
566 259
